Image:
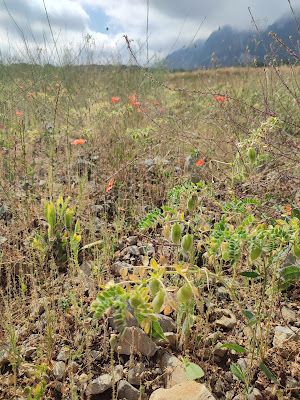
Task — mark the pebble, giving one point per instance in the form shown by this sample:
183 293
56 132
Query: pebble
135 340
104 382
134 374
58 369
173 369
283 333
228 319
189 390
127 391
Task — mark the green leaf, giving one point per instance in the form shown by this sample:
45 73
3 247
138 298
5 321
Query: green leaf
193 371
238 372
268 373
291 272
248 315
250 274
235 347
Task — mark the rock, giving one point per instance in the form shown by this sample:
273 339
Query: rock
228 319
59 369
132 250
132 240
135 340
189 390
5 213
173 369
242 363
37 308
222 294
118 266
86 268
288 315
63 354
97 209
3 239
127 391
212 338
149 250
166 323
220 352
283 333
96 355
134 374
219 388
4 354
74 367
255 395
104 382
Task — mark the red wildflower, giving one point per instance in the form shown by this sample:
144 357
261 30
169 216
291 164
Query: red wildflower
115 99
121 209
78 141
157 103
19 113
136 103
31 95
56 76
132 98
110 185
220 99
139 110
200 162
21 87
288 210
49 88
57 84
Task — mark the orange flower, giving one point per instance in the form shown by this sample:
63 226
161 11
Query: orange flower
139 110
21 87
78 141
49 88
110 185
220 99
157 103
56 76
136 103
115 99
19 113
121 209
31 95
132 98
288 210
57 84
200 162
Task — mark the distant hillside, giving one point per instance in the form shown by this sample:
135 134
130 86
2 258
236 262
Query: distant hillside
229 47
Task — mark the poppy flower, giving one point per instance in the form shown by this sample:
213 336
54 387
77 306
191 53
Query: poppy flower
49 88
110 185
136 103
288 210
57 84
31 95
139 110
19 113
56 76
115 99
220 99
132 98
121 209
200 162
21 87
78 141
157 103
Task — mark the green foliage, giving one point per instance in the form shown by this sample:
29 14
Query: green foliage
151 219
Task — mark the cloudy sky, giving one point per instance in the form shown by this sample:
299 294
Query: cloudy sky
24 24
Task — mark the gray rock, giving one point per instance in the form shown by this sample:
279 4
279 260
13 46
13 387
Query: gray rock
86 268
166 323
132 240
227 321
63 354
4 354
222 294
189 390
5 213
133 250
242 363
220 352
219 387
105 381
255 395
37 308
212 338
149 250
173 370
118 266
97 209
59 369
283 333
96 355
74 367
135 374
135 340
127 391
3 239
288 315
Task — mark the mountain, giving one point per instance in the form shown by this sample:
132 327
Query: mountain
230 47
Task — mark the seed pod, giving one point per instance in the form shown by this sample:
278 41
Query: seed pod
184 293
186 242
154 286
176 233
192 202
68 217
255 252
225 255
135 301
166 230
51 217
252 154
158 300
113 340
296 250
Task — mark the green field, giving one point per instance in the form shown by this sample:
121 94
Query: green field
177 193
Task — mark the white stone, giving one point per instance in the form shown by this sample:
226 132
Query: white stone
189 390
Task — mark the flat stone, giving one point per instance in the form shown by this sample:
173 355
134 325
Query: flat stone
63 354
133 250
86 268
283 333
166 323
134 374
189 390
227 321
221 352
3 239
96 355
4 353
59 369
104 382
132 240
127 391
135 340
119 266
173 369
288 314
255 395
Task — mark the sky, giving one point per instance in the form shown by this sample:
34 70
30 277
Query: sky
75 29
